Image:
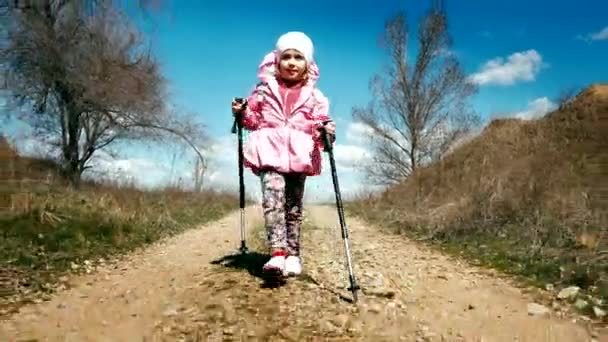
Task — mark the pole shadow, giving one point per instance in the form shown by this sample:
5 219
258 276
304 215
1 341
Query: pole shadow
252 262
309 279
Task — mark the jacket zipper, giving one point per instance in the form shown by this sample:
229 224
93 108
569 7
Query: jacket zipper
286 120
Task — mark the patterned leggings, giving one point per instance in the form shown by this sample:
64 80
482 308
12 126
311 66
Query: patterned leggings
282 203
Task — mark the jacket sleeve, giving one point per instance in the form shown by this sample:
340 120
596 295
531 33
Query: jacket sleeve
252 116
320 115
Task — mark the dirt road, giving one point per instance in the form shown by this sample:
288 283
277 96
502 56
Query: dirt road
173 291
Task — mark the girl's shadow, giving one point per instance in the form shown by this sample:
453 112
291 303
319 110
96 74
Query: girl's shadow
252 262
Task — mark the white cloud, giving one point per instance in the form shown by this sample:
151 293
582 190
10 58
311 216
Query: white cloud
30 146
536 109
519 66
358 133
223 172
141 172
599 35
349 156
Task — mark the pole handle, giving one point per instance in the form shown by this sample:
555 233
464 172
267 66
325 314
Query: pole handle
238 116
326 143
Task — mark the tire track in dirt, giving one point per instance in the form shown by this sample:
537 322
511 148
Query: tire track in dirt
172 292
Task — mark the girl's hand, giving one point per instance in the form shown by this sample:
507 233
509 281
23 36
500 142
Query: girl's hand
330 128
237 107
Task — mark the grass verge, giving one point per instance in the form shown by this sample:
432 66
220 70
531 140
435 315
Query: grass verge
510 250
48 229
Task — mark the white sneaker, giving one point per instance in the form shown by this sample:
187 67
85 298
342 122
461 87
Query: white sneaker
275 264
293 266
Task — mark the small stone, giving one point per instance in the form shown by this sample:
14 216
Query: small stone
340 321
375 308
581 304
549 287
599 313
329 327
170 312
535 309
568 292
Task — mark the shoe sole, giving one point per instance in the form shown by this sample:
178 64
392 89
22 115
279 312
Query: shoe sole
274 274
273 270
291 274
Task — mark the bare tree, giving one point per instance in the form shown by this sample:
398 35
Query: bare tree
86 80
419 108
200 168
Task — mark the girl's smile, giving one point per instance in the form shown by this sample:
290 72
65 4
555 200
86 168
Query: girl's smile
292 65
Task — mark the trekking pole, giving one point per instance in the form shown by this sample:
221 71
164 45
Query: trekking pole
237 127
351 274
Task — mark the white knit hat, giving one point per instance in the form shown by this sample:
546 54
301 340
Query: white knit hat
298 41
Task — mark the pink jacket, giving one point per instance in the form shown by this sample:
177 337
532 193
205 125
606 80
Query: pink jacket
284 123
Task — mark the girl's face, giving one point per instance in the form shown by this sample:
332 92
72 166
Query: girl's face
292 65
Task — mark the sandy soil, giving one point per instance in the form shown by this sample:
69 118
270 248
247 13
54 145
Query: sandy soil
177 290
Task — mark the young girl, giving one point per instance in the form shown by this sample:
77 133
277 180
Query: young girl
284 113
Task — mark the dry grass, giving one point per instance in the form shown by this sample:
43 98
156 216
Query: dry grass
48 228
528 197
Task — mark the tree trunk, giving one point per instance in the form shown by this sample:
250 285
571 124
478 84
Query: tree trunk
413 154
72 149
71 154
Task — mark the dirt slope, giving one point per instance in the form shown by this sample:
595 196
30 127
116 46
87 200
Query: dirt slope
515 169
535 191
172 291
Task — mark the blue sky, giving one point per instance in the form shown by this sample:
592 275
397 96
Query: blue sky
209 53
